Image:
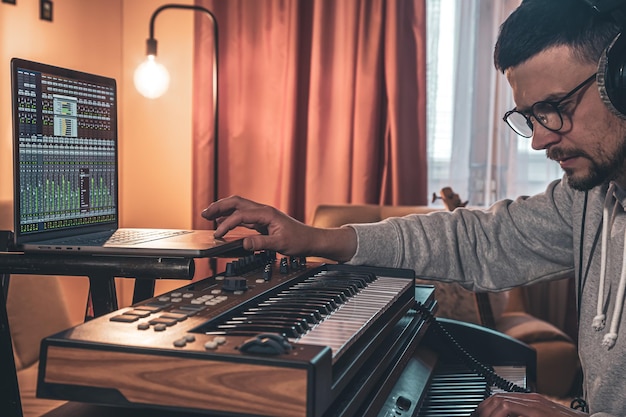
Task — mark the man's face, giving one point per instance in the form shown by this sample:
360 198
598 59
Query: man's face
591 145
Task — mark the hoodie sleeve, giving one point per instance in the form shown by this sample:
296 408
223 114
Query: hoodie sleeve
510 244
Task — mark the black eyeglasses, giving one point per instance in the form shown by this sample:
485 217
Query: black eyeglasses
547 113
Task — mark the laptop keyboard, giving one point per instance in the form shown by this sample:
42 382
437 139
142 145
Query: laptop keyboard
130 237
120 237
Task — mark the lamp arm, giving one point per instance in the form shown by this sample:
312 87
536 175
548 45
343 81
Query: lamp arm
151 39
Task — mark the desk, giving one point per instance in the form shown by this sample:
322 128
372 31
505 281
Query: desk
101 271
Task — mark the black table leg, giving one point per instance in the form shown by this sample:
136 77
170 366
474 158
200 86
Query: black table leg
10 393
102 295
144 289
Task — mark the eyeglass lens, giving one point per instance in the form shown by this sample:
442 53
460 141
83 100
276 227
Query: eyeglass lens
520 124
544 112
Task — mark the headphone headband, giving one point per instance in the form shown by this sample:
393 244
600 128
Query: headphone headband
612 65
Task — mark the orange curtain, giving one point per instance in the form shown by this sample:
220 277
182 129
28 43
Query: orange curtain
320 101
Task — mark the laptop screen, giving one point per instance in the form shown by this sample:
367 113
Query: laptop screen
65 151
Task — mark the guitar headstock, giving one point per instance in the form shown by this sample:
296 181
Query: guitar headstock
450 199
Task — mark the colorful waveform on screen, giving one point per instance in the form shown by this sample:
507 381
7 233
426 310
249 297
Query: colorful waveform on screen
59 196
62 181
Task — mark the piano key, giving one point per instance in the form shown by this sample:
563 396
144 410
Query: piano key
324 304
300 327
260 328
296 310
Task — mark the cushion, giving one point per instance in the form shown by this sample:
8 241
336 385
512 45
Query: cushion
529 329
35 306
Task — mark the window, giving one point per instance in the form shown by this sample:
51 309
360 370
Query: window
470 148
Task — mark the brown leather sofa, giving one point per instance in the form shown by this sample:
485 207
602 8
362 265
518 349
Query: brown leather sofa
557 360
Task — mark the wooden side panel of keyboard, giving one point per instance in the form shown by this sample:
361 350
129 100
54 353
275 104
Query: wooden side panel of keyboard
187 383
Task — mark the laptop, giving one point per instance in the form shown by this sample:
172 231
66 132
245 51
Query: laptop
65 160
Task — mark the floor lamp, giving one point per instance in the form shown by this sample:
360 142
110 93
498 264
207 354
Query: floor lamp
152 79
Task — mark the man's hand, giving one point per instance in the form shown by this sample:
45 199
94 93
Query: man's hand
280 232
523 405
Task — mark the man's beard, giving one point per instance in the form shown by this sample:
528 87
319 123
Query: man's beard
599 173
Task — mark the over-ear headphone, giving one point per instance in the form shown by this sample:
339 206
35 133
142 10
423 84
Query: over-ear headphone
612 63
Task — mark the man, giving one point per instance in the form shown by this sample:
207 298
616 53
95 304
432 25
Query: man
549 52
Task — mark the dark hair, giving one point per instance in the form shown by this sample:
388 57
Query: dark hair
537 25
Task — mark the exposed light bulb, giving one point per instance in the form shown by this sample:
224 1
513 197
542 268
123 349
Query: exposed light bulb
151 78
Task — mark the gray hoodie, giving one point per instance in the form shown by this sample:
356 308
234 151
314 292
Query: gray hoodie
521 242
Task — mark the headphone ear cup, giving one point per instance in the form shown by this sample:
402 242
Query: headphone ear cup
612 76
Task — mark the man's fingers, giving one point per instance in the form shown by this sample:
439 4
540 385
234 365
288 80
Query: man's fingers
225 224
226 207
257 242
257 218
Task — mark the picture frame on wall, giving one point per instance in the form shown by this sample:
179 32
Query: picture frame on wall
45 10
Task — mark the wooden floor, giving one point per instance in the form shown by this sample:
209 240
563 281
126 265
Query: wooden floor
32 406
